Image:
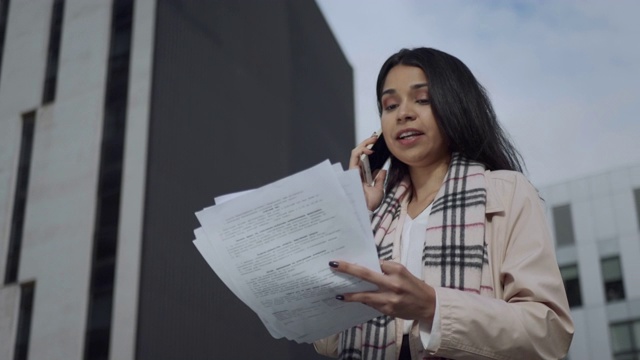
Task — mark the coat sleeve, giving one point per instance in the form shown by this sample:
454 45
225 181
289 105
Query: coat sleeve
530 319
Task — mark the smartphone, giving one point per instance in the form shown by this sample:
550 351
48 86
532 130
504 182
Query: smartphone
370 163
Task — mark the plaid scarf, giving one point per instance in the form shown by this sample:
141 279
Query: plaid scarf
454 255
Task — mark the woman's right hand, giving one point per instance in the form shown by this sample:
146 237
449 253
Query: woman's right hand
372 193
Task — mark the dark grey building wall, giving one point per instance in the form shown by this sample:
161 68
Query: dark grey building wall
243 93
322 89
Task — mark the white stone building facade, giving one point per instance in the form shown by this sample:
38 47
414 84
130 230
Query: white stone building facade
595 221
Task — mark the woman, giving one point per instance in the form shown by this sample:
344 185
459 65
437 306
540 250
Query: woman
468 262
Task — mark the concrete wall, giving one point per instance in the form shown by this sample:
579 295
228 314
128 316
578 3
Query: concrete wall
21 85
58 228
9 309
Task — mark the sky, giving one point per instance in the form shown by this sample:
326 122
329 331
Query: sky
563 76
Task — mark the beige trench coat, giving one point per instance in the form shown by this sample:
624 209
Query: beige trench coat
529 318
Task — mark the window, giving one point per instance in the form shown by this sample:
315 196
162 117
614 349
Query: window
625 340
636 195
4 11
20 197
24 321
563 225
571 281
612 276
55 33
105 242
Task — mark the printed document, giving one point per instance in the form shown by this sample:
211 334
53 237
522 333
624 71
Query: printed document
271 246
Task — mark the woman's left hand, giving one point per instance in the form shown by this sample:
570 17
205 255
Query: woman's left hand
399 294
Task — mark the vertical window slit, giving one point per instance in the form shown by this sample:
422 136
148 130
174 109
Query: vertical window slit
636 197
24 321
98 332
4 13
53 54
20 198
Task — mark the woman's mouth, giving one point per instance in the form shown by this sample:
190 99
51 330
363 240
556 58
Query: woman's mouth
408 136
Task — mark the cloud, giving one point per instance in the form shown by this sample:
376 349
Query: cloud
562 75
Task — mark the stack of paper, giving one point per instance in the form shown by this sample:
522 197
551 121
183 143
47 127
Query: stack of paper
271 246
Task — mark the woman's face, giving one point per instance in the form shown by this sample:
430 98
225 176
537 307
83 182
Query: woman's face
409 126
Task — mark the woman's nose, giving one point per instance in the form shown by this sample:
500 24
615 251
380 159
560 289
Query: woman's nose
406 113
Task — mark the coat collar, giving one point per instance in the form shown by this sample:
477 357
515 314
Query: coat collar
494 202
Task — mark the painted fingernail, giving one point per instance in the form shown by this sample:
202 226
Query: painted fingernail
339 297
333 264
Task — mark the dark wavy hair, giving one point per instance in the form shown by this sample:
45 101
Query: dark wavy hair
462 110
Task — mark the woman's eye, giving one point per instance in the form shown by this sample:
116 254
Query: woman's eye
423 101
390 107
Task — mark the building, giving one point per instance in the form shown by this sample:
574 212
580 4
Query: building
119 120
596 222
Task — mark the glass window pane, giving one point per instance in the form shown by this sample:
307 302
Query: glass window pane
625 357
614 290
636 195
621 338
611 269
612 275
572 284
569 272
563 225
574 296
636 335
